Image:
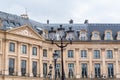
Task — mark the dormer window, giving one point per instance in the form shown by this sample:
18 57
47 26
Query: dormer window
108 35
95 35
118 35
83 35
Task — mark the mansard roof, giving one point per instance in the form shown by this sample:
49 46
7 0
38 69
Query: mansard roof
11 21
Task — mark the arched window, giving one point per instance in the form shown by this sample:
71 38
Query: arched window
118 35
108 35
95 35
83 35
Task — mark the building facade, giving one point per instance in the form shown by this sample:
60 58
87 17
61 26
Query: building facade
26 52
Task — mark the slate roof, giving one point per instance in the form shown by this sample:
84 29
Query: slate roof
11 21
102 27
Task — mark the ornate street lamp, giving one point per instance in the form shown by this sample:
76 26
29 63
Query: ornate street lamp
55 56
50 68
64 36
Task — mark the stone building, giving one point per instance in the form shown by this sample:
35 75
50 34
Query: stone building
26 51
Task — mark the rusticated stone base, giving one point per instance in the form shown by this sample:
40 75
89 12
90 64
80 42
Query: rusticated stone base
19 78
38 78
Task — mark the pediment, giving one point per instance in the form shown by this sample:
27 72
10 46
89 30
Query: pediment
26 31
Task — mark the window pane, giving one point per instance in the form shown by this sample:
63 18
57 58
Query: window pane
110 70
12 47
24 49
44 53
11 66
84 70
34 68
108 36
34 51
70 53
97 70
109 54
96 54
44 69
95 35
83 54
58 70
23 67
70 70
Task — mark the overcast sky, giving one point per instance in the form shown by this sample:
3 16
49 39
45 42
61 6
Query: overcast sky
61 11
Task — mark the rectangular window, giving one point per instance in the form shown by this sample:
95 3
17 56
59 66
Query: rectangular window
70 70
70 53
44 53
70 65
12 47
58 70
84 70
23 67
110 70
11 66
96 54
97 70
45 70
34 68
24 49
83 54
58 52
109 54
34 51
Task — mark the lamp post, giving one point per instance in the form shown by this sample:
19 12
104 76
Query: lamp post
63 36
55 56
50 73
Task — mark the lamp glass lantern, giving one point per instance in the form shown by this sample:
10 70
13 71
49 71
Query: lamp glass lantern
61 32
70 35
55 55
52 34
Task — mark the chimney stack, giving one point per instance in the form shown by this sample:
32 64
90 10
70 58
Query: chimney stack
86 22
47 21
25 16
71 21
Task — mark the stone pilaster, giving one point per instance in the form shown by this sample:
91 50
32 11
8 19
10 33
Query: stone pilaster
30 60
41 63
117 73
18 59
6 63
77 62
103 62
90 62
64 61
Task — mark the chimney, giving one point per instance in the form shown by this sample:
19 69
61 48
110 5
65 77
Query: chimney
71 21
25 16
47 21
86 22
